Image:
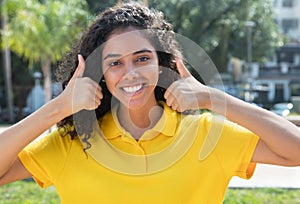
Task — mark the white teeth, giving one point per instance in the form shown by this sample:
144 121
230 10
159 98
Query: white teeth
132 89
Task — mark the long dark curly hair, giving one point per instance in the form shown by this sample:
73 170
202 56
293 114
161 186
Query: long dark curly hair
120 16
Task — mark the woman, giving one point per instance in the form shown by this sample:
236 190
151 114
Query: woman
145 147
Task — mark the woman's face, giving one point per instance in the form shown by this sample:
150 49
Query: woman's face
130 67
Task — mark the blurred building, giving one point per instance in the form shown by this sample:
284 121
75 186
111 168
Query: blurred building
287 17
281 76
279 79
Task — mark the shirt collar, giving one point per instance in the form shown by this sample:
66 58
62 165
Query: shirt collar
166 125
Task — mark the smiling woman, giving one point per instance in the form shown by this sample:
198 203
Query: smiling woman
141 144
133 75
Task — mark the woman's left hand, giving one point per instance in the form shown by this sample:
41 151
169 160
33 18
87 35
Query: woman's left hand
187 93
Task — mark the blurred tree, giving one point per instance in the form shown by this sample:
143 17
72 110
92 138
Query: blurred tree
96 6
218 26
7 64
42 31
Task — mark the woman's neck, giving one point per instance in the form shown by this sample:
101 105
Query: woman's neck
137 121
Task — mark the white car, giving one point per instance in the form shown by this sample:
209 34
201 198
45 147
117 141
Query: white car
282 109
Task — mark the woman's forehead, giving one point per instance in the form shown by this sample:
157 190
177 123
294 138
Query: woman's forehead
124 42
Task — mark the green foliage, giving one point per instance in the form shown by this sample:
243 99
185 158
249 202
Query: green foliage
218 26
96 6
40 31
265 36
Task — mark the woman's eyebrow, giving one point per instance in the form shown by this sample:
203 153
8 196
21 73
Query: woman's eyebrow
134 53
111 56
142 51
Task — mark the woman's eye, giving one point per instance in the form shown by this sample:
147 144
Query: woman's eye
143 59
114 63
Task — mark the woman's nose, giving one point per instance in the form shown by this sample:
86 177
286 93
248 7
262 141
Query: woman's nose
132 74
131 71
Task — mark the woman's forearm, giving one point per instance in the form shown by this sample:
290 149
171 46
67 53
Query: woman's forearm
16 137
281 136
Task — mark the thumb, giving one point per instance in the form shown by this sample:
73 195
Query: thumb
80 68
183 71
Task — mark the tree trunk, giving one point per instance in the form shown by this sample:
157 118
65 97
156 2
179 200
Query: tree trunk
7 68
220 54
224 48
46 68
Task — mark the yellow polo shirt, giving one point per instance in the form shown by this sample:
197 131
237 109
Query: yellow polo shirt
183 159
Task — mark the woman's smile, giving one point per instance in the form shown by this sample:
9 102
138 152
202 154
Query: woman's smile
133 89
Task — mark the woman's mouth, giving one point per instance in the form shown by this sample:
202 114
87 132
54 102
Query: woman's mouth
132 89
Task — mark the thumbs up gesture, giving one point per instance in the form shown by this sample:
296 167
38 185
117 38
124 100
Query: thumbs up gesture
187 93
81 92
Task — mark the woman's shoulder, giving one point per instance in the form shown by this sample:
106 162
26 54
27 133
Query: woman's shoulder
58 138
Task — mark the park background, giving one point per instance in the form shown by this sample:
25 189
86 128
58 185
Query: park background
254 44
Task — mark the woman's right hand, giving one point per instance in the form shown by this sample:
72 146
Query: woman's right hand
81 92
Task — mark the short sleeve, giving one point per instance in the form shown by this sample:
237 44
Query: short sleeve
235 149
45 157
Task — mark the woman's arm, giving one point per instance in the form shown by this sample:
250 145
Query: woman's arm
81 93
16 137
279 139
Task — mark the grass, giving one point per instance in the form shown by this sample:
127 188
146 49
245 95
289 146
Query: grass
262 196
27 192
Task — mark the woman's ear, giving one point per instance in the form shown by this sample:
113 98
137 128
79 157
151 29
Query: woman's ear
160 70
